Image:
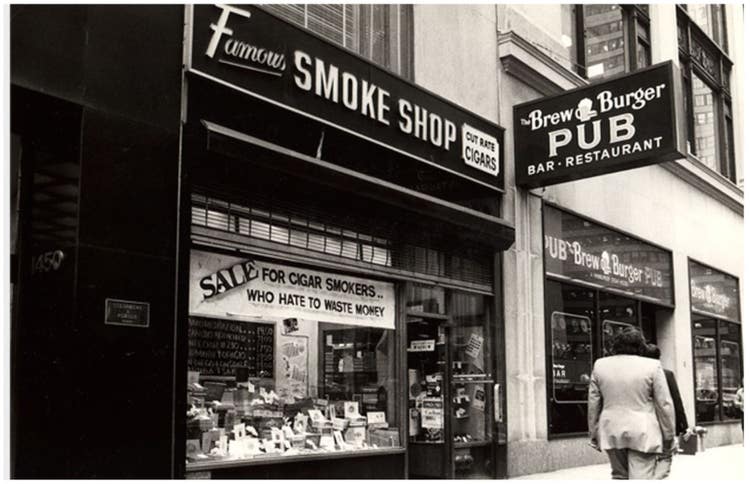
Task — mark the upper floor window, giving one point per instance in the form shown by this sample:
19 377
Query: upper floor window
594 40
705 81
711 18
380 33
613 39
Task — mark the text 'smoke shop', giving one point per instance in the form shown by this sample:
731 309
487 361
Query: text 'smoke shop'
623 123
274 61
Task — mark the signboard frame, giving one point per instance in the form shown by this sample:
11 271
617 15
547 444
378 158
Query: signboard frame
257 286
289 39
142 304
524 141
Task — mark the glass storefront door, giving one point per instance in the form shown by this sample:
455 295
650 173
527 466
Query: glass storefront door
471 387
450 387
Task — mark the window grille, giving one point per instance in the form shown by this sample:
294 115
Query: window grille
392 244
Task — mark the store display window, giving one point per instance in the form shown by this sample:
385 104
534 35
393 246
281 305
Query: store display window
268 379
717 343
578 335
599 283
572 328
453 395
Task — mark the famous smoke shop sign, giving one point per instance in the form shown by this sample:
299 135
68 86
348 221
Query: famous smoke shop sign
222 286
624 123
278 62
578 250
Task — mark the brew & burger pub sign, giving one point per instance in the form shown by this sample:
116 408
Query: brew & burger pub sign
252 50
623 123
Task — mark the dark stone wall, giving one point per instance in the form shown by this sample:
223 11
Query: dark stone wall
89 399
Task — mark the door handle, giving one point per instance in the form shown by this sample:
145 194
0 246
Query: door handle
497 404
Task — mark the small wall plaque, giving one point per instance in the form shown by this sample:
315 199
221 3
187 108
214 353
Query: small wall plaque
126 313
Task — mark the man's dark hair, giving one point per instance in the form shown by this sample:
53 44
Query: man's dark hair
629 342
652 351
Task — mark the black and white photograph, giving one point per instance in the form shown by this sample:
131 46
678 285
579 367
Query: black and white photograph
374 241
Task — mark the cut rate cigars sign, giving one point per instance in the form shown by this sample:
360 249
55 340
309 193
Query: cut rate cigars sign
268 58
620 124
225 286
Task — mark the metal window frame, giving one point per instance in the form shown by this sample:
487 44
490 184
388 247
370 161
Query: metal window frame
726 162
722 418
632 16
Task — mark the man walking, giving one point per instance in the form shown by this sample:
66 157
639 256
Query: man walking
664 461
631 415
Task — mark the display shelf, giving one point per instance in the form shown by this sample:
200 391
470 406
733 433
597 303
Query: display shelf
336 372
472 443
284 459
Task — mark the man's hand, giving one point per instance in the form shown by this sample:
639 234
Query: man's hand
669 446
595 444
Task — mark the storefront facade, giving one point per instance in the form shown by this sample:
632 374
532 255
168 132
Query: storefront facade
332 236
298 240
657 220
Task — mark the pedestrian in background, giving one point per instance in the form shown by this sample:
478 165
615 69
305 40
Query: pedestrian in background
630 412
664 461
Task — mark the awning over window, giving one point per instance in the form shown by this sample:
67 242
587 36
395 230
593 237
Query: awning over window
450 218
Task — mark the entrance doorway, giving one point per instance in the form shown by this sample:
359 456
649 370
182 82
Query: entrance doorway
452 390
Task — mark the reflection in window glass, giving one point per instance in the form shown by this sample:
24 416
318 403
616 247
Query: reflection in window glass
704 120
470 357
605 40
731 367
643 51
706 371
568 417
426 356
571 356
710 18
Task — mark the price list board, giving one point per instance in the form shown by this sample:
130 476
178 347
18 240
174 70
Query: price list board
217 347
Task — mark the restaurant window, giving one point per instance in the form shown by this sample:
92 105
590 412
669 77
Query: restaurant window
706 69
579 335
380 33
288 361
717 343
614 39
599 282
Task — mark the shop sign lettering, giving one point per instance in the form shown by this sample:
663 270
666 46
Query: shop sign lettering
480 150
222 284
580 250
709 295
714 292
616 125
608 265
321 79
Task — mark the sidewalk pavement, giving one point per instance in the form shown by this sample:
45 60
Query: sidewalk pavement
715 464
